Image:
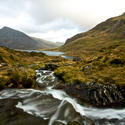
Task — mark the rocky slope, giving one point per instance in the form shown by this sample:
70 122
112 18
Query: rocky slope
18 40
102 54
98 95
110 33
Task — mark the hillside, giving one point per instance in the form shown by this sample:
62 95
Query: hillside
18 40
108 34
102 52
17 69
46 44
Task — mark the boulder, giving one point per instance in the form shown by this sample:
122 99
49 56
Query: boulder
73 123
66 112
77 59
10 115
99 95
3 64
87 69
50 67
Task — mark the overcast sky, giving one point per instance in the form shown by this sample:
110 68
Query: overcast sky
57 20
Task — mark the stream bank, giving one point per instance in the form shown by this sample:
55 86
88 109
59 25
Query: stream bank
49 106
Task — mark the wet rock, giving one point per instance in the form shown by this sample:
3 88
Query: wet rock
3 64
68 113
86 121
42 104
10 115
50 67
87 69
45 78
110 121
99 95
77 59
58 123
74 123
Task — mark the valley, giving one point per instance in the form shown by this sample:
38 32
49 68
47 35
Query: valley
81 82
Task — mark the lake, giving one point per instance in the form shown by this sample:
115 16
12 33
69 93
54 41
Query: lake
51 53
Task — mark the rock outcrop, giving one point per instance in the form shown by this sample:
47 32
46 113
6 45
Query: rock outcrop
99 95
50 67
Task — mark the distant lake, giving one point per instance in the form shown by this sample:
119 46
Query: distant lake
53 53
50 53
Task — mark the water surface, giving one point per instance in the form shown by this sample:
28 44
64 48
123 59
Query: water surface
51 53
57 106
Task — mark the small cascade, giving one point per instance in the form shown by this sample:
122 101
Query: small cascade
56 106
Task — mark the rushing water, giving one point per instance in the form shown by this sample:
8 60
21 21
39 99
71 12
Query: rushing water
56 105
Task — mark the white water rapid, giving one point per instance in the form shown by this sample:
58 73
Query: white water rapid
56 105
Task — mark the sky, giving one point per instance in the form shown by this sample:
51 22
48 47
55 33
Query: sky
57 20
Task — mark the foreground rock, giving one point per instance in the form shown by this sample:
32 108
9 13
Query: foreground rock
10 115
99 95
38 104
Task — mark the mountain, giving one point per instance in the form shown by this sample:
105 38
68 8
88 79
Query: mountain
100 52
108 34
47 44
59 43
18 40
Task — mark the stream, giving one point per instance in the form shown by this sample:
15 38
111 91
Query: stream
57 107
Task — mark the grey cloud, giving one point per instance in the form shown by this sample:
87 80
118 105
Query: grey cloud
55 16
41 12
54 25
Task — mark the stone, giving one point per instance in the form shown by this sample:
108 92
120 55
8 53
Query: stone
77 59
3 64
98 95
10 115
87 69
50 67
74 123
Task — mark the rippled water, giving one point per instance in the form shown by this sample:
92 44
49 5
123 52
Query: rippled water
56 105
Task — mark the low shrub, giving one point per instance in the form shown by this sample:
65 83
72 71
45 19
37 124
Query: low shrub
117 62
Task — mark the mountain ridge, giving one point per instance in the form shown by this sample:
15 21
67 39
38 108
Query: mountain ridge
46 44
15 39
105 34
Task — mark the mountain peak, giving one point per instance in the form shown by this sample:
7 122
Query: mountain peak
15 39
5 27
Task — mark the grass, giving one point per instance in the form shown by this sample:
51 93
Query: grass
102 49
102 53
19 68
106 67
